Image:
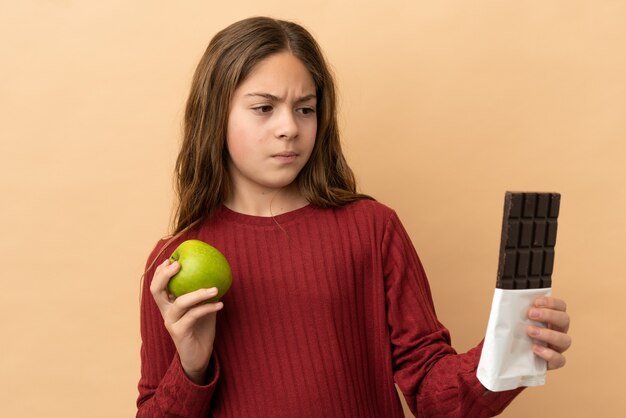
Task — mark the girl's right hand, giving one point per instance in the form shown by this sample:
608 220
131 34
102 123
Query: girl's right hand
190 321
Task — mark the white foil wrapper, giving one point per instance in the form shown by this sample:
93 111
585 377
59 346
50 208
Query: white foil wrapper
507 360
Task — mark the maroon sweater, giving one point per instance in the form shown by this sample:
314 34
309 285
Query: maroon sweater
328 308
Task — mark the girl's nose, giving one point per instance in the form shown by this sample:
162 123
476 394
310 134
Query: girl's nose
287 126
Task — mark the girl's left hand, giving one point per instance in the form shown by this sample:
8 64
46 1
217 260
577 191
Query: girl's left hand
553 340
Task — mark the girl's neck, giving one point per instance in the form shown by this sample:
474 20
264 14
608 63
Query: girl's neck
266 203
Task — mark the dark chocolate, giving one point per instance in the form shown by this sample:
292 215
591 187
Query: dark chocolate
529 226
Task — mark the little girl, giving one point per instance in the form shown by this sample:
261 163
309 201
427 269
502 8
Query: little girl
329 305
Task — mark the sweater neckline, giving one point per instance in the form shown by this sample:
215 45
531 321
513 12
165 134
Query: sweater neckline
230 215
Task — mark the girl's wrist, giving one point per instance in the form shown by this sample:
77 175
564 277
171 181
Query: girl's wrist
199 378
195 374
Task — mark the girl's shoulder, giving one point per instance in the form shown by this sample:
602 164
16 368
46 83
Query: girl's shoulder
166 245
368 210
160 251
370 206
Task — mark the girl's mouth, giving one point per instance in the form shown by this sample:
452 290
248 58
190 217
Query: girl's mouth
285 156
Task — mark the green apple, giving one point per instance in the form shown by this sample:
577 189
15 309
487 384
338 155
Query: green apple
201 267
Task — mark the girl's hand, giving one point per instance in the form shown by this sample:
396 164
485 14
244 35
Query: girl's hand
189 320
553 340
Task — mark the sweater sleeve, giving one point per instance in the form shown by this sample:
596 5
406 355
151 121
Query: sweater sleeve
164 389
435 380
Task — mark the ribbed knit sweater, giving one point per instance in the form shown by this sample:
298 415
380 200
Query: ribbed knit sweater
328 308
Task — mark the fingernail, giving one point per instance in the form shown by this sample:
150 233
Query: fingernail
212 291
541 302
534 332
534 313
538 348
219 305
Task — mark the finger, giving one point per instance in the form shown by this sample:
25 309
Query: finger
184 303
198 312
557 320
158 286
160 278
558 341
551 303
554 359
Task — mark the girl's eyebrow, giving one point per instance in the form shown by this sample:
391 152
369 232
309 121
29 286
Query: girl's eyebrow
273 98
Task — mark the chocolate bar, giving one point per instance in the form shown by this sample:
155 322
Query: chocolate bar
529 227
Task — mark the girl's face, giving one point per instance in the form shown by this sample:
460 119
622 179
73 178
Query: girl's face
272 125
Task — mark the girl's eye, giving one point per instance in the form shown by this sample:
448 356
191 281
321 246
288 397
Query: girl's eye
306 110
263 109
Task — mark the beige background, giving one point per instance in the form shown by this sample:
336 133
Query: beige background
444 106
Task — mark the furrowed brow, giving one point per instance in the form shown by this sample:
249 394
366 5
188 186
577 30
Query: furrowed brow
306 98
273 98
265 96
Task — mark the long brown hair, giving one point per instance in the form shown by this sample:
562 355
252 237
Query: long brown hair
202 179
